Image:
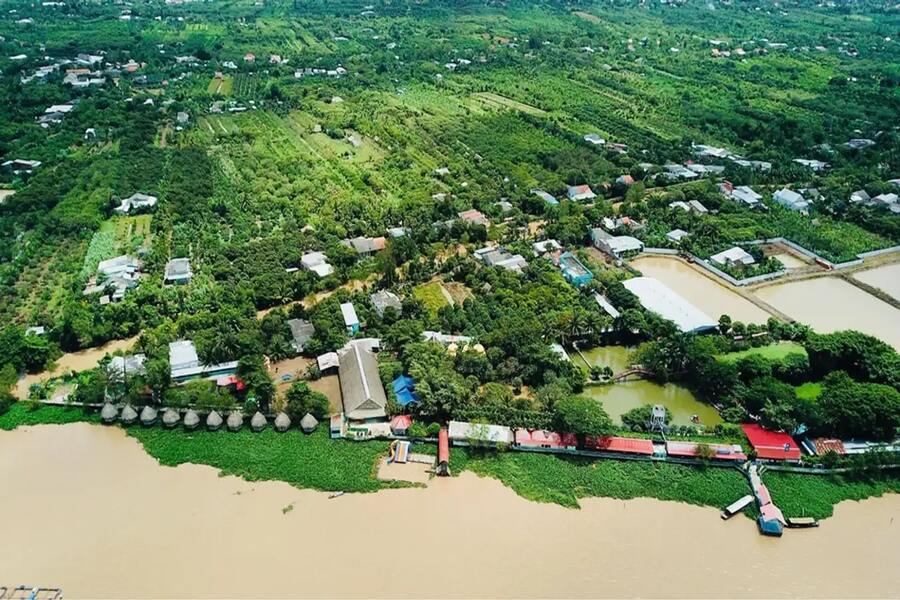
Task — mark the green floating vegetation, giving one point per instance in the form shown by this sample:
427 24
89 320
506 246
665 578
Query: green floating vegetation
24 413
563 480
815 495
305 461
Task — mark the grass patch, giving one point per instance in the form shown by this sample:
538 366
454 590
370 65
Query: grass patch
431 296
563 480
816 495
809 390
305 461
772 352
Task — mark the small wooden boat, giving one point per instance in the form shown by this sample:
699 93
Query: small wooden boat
335 495
802 522
736 507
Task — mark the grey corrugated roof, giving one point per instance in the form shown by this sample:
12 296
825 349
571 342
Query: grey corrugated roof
302 331
361 388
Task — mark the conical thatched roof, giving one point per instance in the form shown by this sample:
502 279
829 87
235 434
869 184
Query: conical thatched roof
308 423
213 420
191 419
258 422
129 415
109 413
170 417
148 415
282 422
235 421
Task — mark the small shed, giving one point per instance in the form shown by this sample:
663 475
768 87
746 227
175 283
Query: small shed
400 424
258 422
170 418
282 422
351 321
129 415
308 423
191 420
109 413
235 421
213 421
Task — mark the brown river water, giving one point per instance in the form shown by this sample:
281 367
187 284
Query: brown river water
86 509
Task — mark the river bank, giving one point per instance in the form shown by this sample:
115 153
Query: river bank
188 532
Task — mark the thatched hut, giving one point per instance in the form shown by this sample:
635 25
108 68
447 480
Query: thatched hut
308 423
129 415
148 416
191 420
109 413
213 421
235 421
170 418
258 422
282 422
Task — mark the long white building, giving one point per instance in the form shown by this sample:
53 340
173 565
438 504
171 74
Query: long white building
657 297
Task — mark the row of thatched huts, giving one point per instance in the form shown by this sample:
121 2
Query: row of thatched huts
191 419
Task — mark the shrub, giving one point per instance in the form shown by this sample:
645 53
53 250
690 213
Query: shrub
417 430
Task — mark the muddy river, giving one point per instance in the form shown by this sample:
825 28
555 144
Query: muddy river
711 297
830 304
86 509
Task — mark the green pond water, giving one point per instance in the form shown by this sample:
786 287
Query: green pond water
619 398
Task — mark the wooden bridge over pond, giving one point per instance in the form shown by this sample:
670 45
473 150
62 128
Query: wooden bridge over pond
636 371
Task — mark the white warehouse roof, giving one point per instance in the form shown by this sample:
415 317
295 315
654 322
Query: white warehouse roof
659 298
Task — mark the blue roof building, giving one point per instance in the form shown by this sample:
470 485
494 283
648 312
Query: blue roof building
574 271
405 390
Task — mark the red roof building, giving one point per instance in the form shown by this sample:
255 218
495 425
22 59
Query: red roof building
691 450
539 438
400 424
771 445
229 381
443 467
620 444
824 445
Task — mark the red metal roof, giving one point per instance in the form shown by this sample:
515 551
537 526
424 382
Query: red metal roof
569 440
771 445
823 446
620 444
770 512
401 422
227 380
538 438
444 446
690 449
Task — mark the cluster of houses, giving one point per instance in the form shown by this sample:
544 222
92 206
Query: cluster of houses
53 115
887 200
114 278
338 71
